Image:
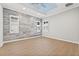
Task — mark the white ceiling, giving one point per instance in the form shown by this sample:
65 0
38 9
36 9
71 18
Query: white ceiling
40 10
22 9
50 8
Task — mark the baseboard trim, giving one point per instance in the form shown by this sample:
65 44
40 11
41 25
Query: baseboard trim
39 36
20 39
1 44
61 39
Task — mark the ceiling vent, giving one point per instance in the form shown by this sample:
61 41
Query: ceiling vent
68 4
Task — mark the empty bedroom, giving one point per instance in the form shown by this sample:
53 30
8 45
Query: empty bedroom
39 29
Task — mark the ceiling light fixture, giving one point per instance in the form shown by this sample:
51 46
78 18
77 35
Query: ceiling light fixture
24 8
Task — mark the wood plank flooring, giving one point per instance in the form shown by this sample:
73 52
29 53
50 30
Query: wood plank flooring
40 47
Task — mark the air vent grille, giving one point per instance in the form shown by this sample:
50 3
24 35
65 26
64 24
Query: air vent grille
68 4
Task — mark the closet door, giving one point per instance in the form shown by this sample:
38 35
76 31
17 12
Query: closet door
1 26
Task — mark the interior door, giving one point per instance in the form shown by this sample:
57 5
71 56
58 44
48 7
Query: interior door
36 26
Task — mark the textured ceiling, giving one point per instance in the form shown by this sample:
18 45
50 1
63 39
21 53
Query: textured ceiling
48 9
40 10
42 7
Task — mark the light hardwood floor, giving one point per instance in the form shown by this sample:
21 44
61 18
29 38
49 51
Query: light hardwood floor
40 47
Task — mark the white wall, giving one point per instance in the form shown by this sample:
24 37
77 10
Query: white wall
1 25
64 26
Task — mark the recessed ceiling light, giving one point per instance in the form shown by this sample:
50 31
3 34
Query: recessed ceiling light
24 8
